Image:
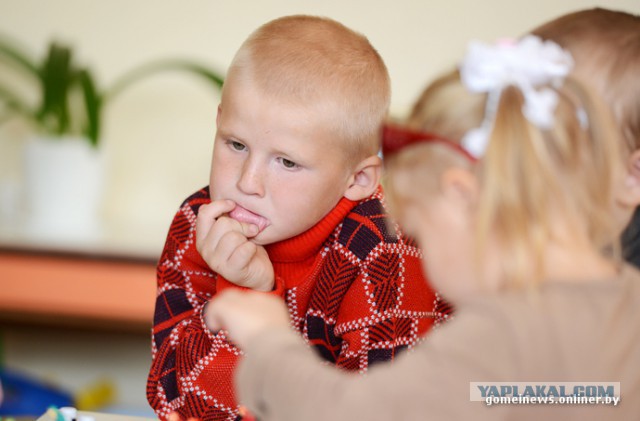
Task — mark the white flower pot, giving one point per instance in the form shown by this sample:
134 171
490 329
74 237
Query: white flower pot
64 184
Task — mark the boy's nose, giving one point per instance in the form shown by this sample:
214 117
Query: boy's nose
251 180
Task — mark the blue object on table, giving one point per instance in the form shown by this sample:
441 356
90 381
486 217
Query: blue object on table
25 396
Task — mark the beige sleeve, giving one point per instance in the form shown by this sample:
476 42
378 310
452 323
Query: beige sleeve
282 379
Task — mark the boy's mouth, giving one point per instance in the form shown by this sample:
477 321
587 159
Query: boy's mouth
241 214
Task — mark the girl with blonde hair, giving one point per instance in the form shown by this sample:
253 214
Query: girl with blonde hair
506 175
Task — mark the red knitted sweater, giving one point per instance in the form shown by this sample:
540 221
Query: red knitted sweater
353 287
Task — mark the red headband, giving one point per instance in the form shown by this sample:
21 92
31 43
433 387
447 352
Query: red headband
395 138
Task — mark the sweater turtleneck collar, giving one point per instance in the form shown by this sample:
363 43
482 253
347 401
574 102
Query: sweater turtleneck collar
308 243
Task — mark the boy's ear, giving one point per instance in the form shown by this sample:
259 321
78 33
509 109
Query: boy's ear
365 179
631 193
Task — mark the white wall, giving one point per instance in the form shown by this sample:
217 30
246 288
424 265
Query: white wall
158 135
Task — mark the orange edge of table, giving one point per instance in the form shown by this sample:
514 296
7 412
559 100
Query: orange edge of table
118 292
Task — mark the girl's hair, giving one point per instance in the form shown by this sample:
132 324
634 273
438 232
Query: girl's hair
527 174
605 45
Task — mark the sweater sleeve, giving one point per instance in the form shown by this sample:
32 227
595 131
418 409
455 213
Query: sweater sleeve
430 383
184 284
278 288
182 346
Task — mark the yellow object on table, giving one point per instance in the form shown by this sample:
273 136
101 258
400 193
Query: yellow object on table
98 416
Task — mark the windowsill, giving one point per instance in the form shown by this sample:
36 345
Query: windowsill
98 280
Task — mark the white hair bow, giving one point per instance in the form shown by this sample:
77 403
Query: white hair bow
527 64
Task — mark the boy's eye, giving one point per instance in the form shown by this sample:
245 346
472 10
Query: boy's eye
237 145
288 163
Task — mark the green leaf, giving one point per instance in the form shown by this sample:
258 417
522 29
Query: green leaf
15 104
11 55
162 66
92 105
10 50
56 76
62 85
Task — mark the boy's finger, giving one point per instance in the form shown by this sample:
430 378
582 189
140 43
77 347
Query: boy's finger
216 208
241 255
174 416
220 227
249 230
218 257
207 215
223 225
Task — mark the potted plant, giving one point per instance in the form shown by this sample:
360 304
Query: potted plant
63 161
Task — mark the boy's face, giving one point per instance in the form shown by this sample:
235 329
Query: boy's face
277 162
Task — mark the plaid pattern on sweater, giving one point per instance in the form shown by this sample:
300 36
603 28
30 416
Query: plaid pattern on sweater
353 287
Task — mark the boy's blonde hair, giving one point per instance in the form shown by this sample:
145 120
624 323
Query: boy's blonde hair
319 63
526 173
605 45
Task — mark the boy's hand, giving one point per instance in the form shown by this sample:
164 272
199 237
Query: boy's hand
224 244
244 314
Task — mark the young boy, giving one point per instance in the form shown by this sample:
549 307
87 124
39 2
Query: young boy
293 209
605 46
